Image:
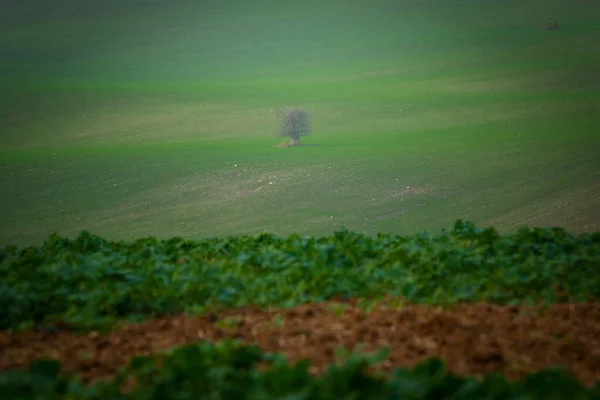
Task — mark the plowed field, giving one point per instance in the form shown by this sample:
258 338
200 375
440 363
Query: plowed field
472 339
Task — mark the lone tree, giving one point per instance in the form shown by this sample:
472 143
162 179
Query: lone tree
551 25
293 122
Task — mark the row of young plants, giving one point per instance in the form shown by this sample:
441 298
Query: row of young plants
230 370
88 282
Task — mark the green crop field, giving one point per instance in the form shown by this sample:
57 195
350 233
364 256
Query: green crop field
157 118
147 204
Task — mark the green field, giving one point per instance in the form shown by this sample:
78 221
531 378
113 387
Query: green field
139 118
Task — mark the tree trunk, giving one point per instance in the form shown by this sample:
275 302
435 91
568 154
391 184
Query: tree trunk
294 141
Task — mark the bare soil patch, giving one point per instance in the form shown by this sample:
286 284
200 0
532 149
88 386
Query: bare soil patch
473 339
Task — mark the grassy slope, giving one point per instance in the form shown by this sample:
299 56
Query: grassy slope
129 120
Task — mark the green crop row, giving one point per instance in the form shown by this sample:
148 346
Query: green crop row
89 282
229 370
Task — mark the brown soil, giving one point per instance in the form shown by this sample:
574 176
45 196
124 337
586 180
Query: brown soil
472 339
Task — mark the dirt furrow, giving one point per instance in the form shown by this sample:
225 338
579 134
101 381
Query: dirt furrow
473 339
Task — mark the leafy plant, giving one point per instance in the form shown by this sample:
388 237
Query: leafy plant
231 322
91 283
229 370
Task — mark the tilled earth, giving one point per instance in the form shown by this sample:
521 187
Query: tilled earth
472 339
